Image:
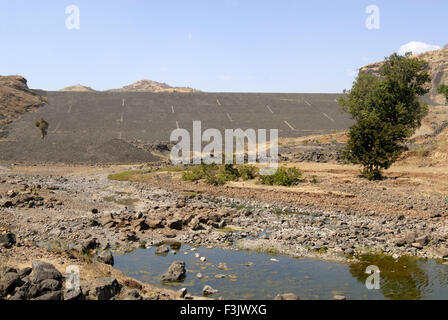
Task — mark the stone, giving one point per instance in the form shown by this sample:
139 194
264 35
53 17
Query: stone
417 245
50 285
9 282
7 240
25 272
182 293
207 290
54 295
155 224
339 297
175 224
176 272
410 237
90 245
72 294
422 241
105 288
43 271
441 252
106 257
287 296
163 249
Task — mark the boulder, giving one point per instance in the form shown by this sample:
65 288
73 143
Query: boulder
163 249
53 295
9 282
155 223
7 240
50 285
422 241
106 257
43 271
287 296
25 272
105 288
175 224
176 272
72 294
207 290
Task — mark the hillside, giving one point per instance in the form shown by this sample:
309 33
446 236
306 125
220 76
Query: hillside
152 86
437 67
16 99
78 88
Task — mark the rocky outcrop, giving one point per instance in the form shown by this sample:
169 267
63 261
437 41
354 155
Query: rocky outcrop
437 67
16 99
152 86
78 88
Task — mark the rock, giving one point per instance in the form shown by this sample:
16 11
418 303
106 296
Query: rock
50 285
90 245
176 272
72 294
55 295
287 296
203 259
7 204
43 271
417 245
105 288
207 290
222 266
94 211
7 240
106 257
199 276
399 242
182 293
9 282
220 276
349 251
163 249
175 224
410 237
422 241
155 224
25 272
441 252
339 297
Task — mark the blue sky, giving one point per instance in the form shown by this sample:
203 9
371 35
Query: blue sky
226 45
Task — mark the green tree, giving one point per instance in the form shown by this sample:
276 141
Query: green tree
387 110
443 89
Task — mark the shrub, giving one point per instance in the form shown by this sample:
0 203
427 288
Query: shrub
443 89
247 172
283 177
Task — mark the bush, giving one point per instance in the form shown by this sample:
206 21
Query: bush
283 177
248 172
443 89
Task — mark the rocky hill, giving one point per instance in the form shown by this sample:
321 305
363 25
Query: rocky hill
437 67
152 86
16 99
78 88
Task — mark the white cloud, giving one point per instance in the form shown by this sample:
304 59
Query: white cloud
417 47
